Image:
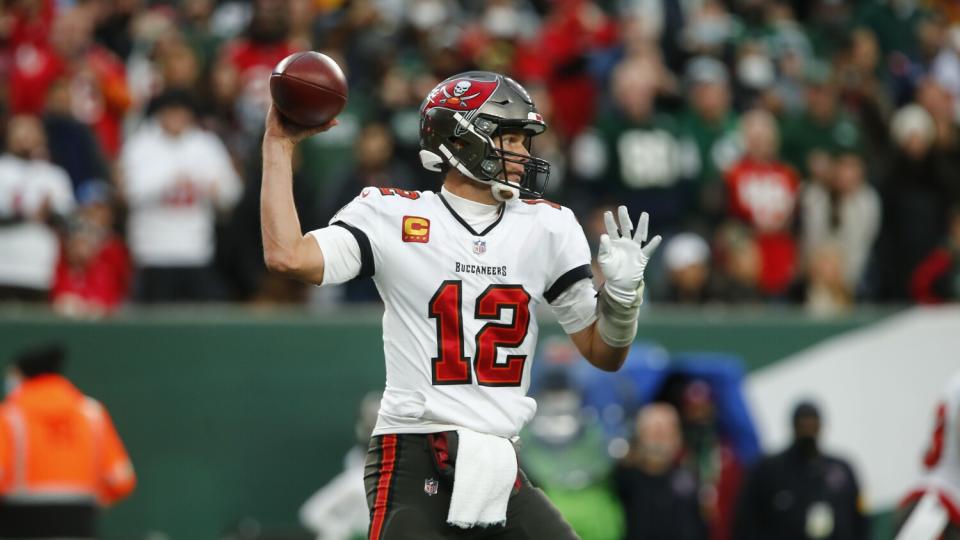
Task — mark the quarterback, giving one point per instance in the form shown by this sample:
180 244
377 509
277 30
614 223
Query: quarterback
461 273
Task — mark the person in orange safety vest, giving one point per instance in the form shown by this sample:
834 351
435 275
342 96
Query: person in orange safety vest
60 456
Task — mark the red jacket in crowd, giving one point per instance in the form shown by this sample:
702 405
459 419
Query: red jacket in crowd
764 195
104 282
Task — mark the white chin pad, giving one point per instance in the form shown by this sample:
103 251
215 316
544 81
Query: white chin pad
504 193
430 161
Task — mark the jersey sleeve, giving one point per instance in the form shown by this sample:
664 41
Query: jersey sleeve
570 257
361 218
117 477
576 308
341 254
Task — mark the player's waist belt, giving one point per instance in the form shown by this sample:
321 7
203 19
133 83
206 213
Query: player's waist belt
442 447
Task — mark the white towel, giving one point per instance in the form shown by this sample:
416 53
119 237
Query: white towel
483 479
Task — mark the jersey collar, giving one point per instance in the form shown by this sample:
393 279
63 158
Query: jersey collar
503 207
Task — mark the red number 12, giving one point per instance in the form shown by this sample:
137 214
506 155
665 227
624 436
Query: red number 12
451 365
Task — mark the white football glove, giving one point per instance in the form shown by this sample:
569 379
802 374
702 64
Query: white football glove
623 257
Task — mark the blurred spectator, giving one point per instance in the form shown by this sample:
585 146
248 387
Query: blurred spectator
197 29
784 35
709 29
369 35
931 509
73 144
763 193
711 127
34 196
827 292
859 68
687 258
338 511
112 25
176 178
937 278
896 23
916 194
61 455
938 102
822 126
658 25
660 499
945 69
301 14
769 38
827 23
844 209
178 65
97 82
502 30
26 51
863 91
26 23
755 74
565 454
572 31
94 273
787 97
639 156
152 30
709 455
245 64
801 493
739 258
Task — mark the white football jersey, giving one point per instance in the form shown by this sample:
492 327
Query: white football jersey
459 327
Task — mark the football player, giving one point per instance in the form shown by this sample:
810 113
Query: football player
461 273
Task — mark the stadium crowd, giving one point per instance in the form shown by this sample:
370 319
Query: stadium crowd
790 152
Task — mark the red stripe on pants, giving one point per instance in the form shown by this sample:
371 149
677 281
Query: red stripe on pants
388 460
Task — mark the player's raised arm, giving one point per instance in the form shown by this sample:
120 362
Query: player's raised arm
622 258
286 250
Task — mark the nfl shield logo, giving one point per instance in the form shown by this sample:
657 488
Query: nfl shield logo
479 246
430 486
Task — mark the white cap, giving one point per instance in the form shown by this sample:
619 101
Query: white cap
912 119
685 249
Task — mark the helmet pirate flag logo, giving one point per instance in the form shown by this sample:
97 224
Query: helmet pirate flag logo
458 98
461 95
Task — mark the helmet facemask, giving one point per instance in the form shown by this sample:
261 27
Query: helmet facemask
492 164
536 171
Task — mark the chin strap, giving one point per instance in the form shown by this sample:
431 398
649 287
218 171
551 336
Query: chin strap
504 193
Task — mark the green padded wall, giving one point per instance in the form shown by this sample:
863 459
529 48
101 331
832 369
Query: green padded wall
230 414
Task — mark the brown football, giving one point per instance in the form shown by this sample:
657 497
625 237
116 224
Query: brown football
308 88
